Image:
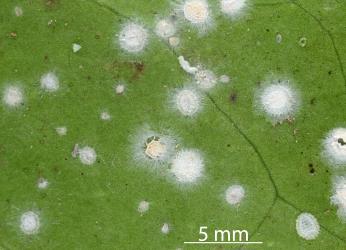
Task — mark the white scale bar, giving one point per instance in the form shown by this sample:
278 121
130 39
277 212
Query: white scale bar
223 242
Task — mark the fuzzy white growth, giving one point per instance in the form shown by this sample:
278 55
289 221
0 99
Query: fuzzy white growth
232 7
42 183
205 79
153 147
224 79
174 41
18 11
87 155
187 166
105 116
76 47
13 96
187 101
185 65
49 82
165 228
61 131
307 226
133 38
234 194
196 11
339 196
335 146
143 207
278 100
120 89
29 222
165 28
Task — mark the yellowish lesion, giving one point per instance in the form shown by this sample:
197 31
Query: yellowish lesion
154 148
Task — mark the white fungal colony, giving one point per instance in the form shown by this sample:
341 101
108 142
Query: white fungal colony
307 226
196 11
13 96
105 116
120 89
61 131
187 101
165 28
42 183
232 8
153 147
187 166
30 222
234 194
335 147
133 38
49 82
205 79
143 207
87 155
278 100
165 228
339 196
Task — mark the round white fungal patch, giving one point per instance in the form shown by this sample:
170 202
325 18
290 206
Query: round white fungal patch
165 228
87 155
232 7
205 79
335 146
133 38
174 41
187 166
120 89
105 116
339 196
61 131
187 101
165 28
153 147
42 183
49 82
29 222
278 100
13 96
143 207
196 11
234 194
307 226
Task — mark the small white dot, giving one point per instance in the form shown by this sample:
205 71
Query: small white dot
119 89
105 116
76 47
165 228
42 183
87 155
61 131
49 82
143 207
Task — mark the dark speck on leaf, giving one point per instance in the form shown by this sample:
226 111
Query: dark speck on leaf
312 101
233 97
329 72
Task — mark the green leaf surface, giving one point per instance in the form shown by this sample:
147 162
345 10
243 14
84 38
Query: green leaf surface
95 207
